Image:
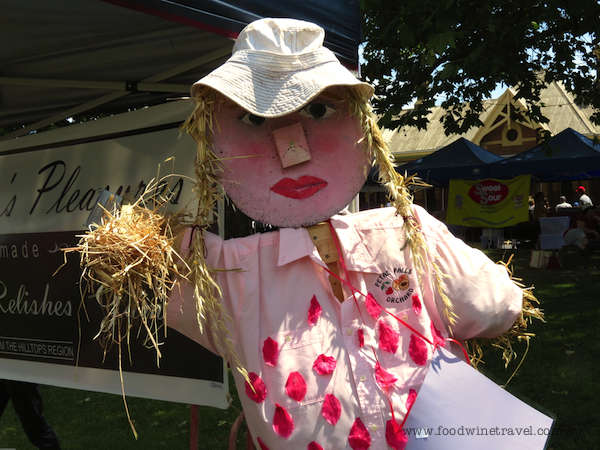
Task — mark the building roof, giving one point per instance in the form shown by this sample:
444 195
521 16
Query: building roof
410 143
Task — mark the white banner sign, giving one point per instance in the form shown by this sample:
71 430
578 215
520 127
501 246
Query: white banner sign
49 183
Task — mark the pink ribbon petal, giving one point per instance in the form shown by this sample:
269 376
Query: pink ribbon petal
270 352
417 350
412 396
332 409
260 389
388 337
314 312
384 379
295 386
324 365
359 438
438 340
395 435
263 446
361 338
283 425
416 304
373 307
314 446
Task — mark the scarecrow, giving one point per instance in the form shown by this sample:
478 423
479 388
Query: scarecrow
331 320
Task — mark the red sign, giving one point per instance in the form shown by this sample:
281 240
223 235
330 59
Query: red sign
488 192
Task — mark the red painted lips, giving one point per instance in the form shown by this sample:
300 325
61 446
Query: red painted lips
299 189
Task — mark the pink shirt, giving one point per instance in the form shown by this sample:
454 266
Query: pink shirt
321 384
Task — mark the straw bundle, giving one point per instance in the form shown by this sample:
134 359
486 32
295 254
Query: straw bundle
518 331
129 264
129 267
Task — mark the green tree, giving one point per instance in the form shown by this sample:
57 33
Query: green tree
458 51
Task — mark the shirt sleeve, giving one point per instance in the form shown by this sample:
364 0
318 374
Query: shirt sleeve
486 301
181 311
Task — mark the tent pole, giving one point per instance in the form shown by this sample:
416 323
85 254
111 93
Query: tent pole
443 202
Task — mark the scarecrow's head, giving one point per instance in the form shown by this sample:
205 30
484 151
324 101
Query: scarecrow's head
287 123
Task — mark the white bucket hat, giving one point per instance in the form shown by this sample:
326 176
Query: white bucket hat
278 66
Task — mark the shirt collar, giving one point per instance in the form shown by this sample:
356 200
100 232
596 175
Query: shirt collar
295 243
354 249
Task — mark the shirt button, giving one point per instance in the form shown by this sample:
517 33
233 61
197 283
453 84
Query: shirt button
405 317
363 378
320 269
349 331
288 339
373 427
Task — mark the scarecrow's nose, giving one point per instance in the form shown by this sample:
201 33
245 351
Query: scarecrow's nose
291 145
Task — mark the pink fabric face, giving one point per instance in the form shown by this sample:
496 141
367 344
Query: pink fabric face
302 194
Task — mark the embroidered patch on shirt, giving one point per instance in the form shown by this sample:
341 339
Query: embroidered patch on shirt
395 284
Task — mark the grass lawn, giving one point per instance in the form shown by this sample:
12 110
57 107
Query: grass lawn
561 373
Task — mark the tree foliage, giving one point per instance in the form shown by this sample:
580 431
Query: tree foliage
458 51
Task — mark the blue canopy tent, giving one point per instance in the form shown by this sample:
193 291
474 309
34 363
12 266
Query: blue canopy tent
461 160
567 156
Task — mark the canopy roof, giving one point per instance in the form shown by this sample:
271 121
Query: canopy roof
460 160
67 57
567 156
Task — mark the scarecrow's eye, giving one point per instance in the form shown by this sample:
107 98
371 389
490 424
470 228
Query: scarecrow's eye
251 119
317 110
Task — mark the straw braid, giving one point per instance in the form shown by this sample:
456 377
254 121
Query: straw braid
206 291
400 198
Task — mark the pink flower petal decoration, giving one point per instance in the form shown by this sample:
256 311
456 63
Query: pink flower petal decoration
260 389
373 307
359 438
295 386
412 396
416 304
438 340
388 337
324 365
395 435
271 352
314 446
417 350
283 425
314 312
263 446
361 338
332 409
383 377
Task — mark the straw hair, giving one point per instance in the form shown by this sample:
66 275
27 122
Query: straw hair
400 198
200 125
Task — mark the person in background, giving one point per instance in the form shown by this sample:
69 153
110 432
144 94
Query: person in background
530 205
584 199
27 401
584 231
563 203
539 208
